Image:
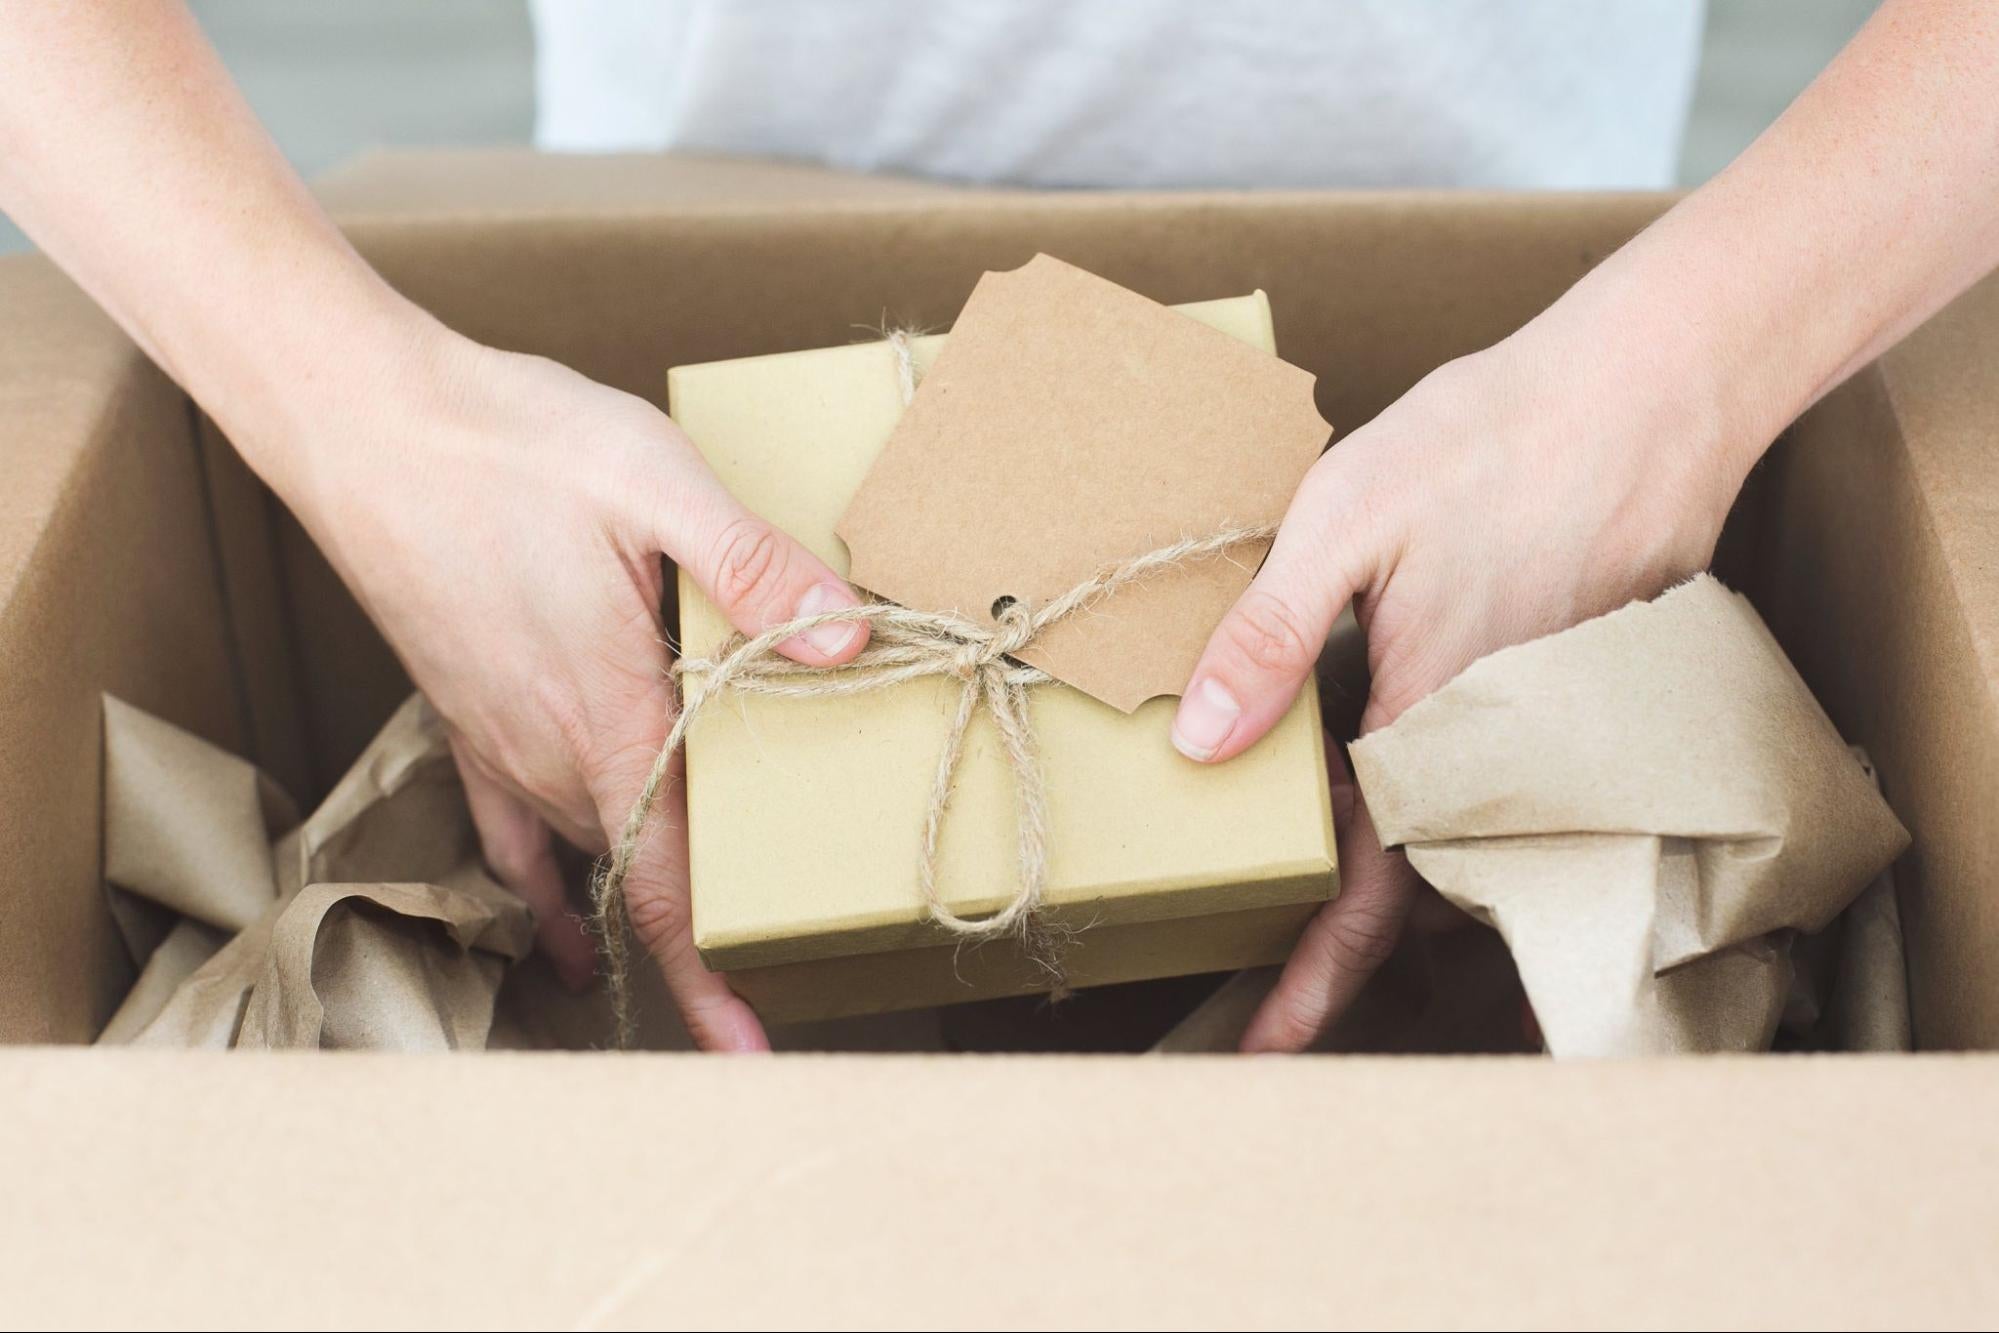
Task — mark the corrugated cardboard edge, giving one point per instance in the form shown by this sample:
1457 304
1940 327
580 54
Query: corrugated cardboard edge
406 182
1354 1192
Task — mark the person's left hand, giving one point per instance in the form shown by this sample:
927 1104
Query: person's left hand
1501 499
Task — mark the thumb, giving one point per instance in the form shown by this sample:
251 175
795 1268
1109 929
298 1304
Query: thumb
758 575
1267 645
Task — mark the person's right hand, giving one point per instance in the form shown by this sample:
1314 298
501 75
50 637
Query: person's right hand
502 519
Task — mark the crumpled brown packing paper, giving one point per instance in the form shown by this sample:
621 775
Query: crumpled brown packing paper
1645 806
1869 1008
1842 988
1850 982
370 925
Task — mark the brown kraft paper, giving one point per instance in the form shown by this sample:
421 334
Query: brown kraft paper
1645 806
370 925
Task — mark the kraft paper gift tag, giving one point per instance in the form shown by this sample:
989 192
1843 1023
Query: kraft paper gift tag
1067 424
369 925
1644 806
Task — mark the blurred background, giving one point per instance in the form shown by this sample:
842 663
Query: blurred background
333 79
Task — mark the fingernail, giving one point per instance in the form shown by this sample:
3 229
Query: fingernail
830 639
736 1031
1207 715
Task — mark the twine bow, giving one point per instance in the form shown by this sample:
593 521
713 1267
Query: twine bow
903 645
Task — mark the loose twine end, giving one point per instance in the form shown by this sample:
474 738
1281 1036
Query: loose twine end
904 645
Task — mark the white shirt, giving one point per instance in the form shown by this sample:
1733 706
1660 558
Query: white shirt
1554 94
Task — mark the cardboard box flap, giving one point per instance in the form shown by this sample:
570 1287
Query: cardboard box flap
1355 1192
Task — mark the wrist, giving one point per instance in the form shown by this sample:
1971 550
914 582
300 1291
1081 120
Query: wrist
1668 387
1633 449
298 395
1713 324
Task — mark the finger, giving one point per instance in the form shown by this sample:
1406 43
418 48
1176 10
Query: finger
758 575
656 904
1349 939
514 842
1266 646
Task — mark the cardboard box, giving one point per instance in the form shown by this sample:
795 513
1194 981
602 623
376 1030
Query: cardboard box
802 890
136 556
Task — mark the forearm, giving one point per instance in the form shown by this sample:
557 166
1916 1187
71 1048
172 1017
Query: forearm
131 159
1870 204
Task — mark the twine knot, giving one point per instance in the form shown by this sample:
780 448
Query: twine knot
968 660
1016 630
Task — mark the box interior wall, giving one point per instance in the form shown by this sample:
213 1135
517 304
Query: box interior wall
162 571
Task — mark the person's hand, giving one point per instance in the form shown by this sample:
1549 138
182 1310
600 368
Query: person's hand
1499 500
502 519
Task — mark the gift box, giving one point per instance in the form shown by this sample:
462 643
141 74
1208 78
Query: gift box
805 814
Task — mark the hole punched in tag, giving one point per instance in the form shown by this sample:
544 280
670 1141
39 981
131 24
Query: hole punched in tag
1002 604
